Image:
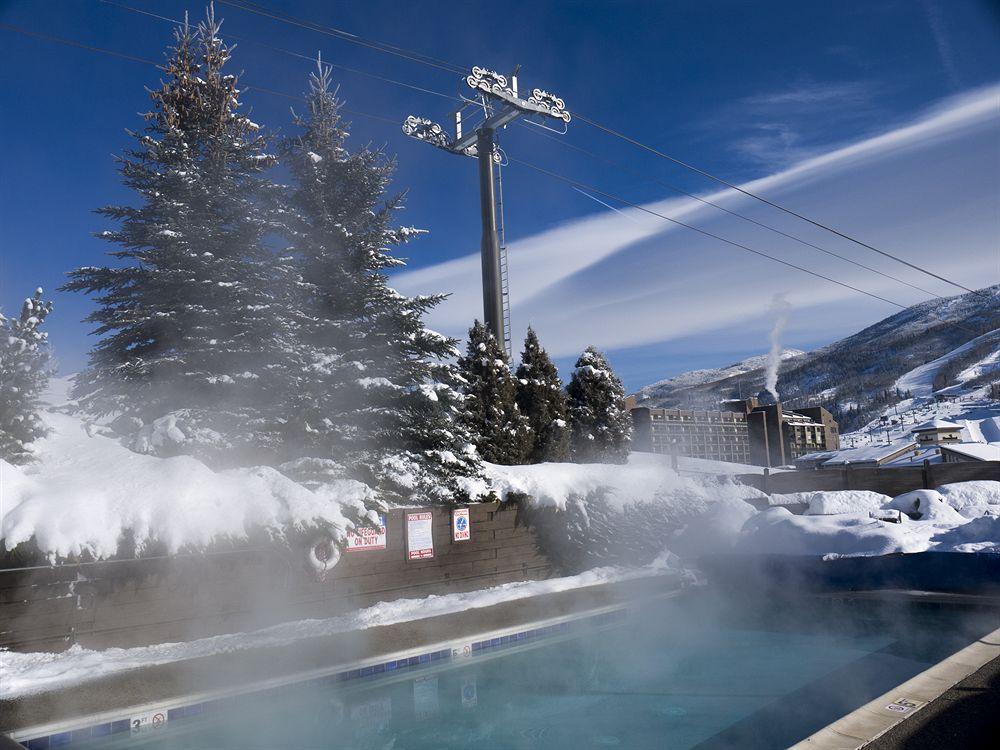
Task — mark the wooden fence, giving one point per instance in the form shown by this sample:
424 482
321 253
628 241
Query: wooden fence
134 602
889 481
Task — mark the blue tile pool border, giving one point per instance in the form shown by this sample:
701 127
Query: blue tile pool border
368 671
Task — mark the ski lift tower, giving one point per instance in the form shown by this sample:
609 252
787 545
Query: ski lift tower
501 104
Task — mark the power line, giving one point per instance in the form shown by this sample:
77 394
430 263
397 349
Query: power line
577 184
626 202
764 200
80 45
580 186
144 61
423 59
707 202
346 36
288 52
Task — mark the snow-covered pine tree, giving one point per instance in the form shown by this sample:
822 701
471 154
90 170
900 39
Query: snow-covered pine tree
541 399
601 425
371 391
191 322
501 432
24 373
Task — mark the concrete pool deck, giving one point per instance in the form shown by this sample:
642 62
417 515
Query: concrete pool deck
166 686
944 706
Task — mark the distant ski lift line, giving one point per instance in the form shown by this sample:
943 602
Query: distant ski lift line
755 196
564 142
611 196
580 186
445 65
133 58
780 232
153 63
389 49
729 211
288 52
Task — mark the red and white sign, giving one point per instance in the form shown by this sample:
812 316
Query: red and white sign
461 525
419 536
367 537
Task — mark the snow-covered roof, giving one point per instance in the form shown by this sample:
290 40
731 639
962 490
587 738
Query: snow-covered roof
867 454
977 451
928 453
936 424
951 390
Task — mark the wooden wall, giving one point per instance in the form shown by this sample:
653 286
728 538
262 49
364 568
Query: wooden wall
888 481
135 602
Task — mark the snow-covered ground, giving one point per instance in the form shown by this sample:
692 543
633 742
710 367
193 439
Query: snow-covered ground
25 673
920 380
971 407
961 517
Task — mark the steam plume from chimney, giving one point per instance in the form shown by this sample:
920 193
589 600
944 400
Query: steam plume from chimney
779 308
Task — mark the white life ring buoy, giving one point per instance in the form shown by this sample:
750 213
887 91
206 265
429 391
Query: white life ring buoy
323 556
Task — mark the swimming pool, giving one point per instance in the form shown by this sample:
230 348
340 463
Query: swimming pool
689 672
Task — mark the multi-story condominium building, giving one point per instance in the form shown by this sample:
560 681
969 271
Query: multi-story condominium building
718 435
744 431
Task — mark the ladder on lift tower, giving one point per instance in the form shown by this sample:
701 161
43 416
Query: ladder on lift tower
504 273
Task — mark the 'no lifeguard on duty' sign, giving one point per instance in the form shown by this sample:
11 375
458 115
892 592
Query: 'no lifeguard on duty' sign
461 527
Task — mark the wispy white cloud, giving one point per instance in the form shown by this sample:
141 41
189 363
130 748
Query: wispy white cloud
780 127
926 190
812 93
943 43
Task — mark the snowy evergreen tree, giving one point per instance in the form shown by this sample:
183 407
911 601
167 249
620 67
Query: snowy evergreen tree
601 425
191 315
541 399
370 389
24 373
501 432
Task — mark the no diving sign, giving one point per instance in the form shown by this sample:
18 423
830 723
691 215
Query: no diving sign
904 705
461 527
147 721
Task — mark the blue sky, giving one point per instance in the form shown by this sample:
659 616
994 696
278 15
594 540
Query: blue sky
879 117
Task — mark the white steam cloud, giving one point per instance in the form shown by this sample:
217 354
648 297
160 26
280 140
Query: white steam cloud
779 308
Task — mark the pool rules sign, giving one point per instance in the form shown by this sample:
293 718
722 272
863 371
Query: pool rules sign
419 536
461 527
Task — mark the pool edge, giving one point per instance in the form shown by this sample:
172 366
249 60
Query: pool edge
867 723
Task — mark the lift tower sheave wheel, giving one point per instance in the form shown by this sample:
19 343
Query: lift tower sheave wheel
502 105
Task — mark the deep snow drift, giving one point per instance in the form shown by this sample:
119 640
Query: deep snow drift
86 491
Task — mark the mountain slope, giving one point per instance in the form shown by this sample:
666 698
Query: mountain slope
700 377
856 376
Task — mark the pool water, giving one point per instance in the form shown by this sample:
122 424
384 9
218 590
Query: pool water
689 672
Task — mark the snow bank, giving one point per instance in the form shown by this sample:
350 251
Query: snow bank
845 501
851 532
24 673
643 479
87 491
972 496
777 531
599 514
929 504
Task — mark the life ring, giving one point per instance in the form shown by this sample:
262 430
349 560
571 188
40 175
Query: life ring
323 556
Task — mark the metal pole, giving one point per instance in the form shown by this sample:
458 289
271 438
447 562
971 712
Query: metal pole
490 248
